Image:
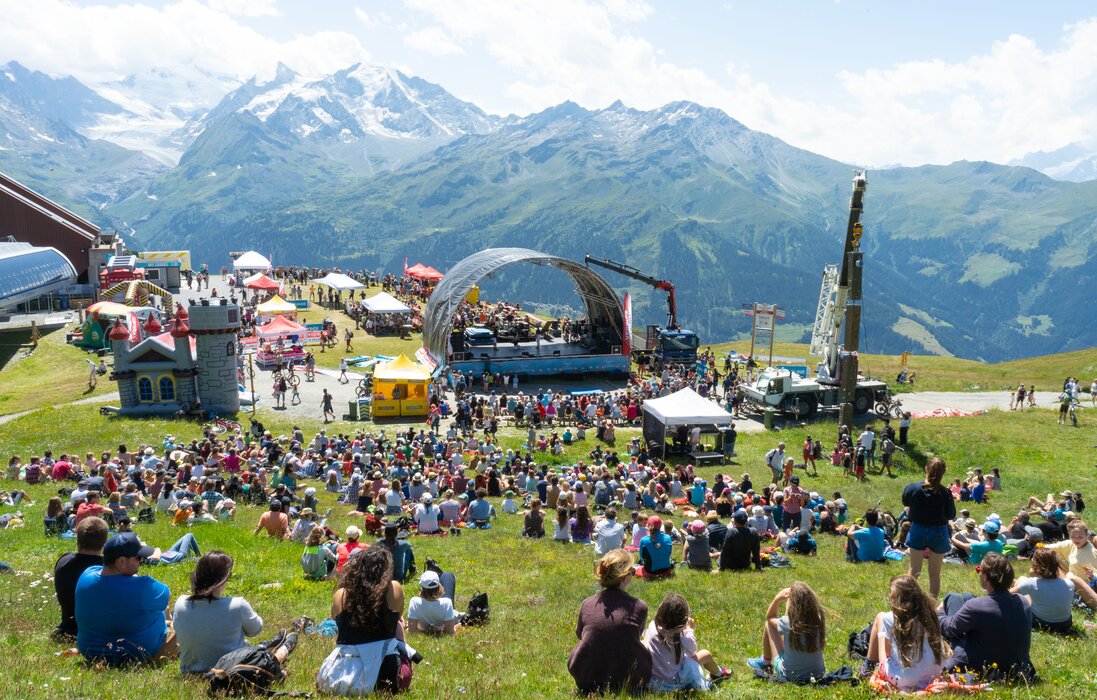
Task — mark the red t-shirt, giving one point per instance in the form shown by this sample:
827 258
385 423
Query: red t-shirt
61 471
87 510
344 552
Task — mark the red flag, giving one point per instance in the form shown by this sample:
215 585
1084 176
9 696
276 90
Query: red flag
626 345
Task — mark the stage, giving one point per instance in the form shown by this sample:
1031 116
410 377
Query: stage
554 356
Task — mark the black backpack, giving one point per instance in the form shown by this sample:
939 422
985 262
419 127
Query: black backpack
246 671
478 610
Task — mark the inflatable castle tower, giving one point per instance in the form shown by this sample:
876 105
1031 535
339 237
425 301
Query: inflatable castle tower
191 364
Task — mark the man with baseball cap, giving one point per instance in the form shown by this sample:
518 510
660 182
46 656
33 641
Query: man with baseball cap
976 550
742 545
120 616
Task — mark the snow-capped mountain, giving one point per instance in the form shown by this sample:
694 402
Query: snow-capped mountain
1072 163
160 107
368 117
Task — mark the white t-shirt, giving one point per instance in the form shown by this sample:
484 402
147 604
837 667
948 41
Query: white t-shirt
608 536
427 519
915 677
432 614
1052 598
866 439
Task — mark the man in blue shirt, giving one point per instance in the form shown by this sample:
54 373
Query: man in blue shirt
869 542
120 616
480 511
697 492
655 551
403 557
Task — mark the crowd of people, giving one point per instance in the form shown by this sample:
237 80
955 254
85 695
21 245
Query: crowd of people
641 516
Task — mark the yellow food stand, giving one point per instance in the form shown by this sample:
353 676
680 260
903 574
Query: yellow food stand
400 388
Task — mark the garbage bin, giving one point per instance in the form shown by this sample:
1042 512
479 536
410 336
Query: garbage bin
352 410
767 418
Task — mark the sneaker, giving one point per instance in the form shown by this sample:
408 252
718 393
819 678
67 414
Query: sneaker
290 642
759 663
867 669
725 674
433 566
274 642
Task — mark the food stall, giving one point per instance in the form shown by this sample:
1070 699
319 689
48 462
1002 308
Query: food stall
400 388
276 306
281 335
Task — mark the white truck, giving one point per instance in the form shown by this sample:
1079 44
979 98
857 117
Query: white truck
788 392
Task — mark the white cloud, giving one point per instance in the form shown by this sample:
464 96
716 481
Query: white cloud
1012 99
364 17
433 40
246 8
98 42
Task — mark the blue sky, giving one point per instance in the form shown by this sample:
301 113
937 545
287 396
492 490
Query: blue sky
867 82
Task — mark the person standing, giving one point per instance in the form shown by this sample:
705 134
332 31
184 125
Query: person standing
931 508
343 369
904 429
775 460
325 403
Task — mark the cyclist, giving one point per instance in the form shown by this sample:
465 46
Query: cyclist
1065 399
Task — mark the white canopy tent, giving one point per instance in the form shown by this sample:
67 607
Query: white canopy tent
339 281
251 261
683 407
383 303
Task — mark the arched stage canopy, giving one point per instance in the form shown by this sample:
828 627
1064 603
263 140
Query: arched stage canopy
603 307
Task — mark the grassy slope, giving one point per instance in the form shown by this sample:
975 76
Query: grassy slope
536 587
55 373
955 374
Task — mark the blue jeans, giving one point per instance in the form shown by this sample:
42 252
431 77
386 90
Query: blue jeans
179 551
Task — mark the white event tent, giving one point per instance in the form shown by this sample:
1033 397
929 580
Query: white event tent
683 407
251 261
383 303
340 282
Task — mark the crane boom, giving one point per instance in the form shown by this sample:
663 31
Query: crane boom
629 271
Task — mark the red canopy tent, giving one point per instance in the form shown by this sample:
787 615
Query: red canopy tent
431 274
415 270
282 327
261 281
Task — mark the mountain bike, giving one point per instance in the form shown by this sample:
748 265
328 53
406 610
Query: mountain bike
1073 413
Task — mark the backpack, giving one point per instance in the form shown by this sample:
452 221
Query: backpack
478 610
244 671
313 563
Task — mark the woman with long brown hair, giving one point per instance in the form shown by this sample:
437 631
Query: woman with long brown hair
370 654
793 643
906 641
931 507
1051 589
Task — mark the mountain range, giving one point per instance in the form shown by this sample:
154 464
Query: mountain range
369 166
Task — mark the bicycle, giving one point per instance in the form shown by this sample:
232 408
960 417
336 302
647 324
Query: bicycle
891 407
1073 412
292 380
222 425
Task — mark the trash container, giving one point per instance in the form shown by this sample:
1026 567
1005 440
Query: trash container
352 410
767 418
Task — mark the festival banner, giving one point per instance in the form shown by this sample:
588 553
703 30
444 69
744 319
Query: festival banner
626 334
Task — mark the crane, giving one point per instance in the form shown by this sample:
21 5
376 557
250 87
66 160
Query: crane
629 271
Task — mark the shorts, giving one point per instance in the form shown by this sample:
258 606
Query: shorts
935 537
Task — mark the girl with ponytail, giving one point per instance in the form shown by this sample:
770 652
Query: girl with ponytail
931 507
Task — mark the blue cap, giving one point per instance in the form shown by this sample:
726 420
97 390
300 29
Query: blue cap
991 527
125 544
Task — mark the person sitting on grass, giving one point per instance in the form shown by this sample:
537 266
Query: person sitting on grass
608 534
561 526
581 526
319 558
793 643
184 547
676 662
432 610
533 526
367 609
696 551
120 616
742 546
991 634
656 550
345 549
480 511
403 557
426 516
797 541
977 550
91 535
868 542
274 521
207 624
905 645
609 657
1077 553
1051 589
